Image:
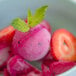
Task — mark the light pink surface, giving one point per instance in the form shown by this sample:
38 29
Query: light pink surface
47 25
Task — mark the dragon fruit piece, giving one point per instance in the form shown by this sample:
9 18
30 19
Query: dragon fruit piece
61 67
16 66
46 71
6 72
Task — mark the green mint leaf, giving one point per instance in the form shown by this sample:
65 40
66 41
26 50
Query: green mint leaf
39 15
29 16
20 25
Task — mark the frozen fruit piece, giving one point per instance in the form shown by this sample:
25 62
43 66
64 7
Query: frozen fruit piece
6 35
32 45
46 71
61 67
4 55
47 62
6 72
47 57
58 67
18 67
63 45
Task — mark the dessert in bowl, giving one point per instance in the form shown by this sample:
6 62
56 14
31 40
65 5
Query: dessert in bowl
33 40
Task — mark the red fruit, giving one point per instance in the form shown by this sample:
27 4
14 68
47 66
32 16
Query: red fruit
48 62
46 71
16 66
63 45
48 57
61 67
6 72
6 35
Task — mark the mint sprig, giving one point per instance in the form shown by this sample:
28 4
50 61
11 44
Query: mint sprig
39 15
33 20
20 25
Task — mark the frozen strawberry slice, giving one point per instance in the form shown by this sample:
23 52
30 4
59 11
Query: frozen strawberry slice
6 35
18 67
63 45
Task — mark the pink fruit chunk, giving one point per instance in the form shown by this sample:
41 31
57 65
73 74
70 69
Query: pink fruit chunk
4 55
32 45
16 66
47 62
59 67
46 71
6 72
48 57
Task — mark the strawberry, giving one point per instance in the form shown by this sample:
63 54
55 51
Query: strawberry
63 45
6 35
